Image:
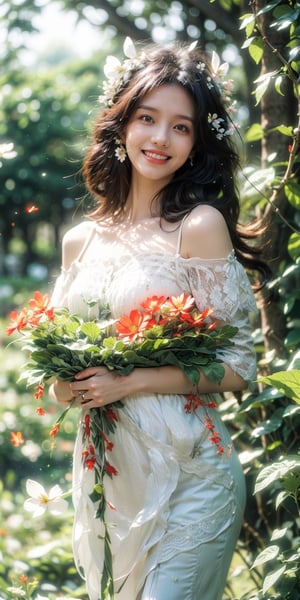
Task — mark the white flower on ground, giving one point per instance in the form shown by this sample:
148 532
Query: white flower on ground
16 591
40 501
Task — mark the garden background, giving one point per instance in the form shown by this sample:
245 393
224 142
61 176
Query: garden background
50 82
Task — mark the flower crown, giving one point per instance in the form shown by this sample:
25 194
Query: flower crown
118 73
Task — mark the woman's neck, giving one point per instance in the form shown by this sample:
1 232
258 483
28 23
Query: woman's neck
141 203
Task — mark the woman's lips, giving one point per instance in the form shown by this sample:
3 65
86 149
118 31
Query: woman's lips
156 156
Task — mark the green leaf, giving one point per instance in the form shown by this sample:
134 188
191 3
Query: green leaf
288 131
91 330
268 7
256 50
279 533
287 382
275 472
255 133
267 554
214 371
261 89
293 246
248 19
266 427
277 85
292 192
271 579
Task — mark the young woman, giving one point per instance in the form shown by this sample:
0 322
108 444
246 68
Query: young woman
161 169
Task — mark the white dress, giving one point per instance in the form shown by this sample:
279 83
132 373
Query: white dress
178 504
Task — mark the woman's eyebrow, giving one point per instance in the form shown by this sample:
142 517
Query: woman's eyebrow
153 109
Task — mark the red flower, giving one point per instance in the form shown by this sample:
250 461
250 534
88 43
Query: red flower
89 458
16 438
40 411
108 444
196 319
132 326
41 304
193 402
19 321
87 423
111 414
153 305
39 392
176 305
209 424
90 462
110 469
54 431
23 578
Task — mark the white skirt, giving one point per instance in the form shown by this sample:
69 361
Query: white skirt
178 504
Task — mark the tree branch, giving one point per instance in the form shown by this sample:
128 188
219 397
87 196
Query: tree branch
221 17
123 25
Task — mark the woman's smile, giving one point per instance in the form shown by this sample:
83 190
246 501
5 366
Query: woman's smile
157 157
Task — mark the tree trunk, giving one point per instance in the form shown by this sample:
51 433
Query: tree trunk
276 110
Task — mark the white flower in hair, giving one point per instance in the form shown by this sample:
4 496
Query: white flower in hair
219 70
112 67
129 48
117 72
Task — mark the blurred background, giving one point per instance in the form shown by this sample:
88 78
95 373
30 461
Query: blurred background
51 64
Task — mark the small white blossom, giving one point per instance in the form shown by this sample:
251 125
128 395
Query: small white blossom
7 151
214 120
120 153
217 125
39 500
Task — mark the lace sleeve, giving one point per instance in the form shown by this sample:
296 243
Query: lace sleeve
223 285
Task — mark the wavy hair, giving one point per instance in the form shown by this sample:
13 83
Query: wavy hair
211 179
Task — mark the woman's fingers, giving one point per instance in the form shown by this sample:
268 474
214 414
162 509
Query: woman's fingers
89 372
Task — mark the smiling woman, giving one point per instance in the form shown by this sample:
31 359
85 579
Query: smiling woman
164 519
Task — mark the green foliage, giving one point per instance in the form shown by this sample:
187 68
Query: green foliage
266 425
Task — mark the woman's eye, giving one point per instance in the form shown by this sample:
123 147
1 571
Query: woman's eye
146 118
181 127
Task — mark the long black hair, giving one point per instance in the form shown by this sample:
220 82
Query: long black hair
211 176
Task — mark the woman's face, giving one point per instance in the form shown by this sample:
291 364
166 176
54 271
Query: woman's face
159 137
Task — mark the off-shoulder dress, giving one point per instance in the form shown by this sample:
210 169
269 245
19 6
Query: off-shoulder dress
178 504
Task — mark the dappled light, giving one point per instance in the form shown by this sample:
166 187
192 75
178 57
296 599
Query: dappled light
51 81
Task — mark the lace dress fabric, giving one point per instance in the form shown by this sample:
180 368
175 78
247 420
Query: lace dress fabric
173 492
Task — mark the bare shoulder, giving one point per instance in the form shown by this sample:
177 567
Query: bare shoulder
74 241
205 234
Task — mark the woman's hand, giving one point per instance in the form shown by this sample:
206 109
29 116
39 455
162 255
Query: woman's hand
97 386
61 392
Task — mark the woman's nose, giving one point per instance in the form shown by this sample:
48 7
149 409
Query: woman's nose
160 137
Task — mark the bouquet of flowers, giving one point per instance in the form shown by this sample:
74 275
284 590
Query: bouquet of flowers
163 331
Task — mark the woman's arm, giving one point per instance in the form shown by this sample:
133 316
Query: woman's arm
101 386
